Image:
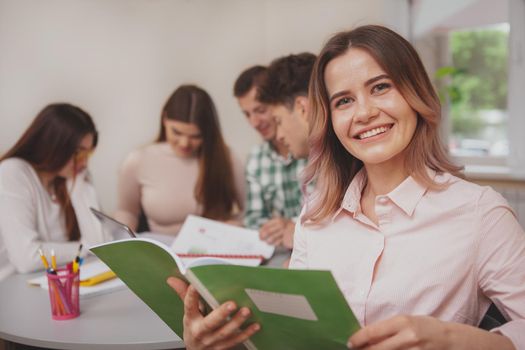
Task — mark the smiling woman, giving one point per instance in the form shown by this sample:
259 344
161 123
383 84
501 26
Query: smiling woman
45 193
391 217
419 253
369 115
188 170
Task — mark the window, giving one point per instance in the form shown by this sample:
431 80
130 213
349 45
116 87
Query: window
475 51
477 91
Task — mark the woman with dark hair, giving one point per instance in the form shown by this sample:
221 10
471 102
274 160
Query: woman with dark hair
188 170
45 192
419 253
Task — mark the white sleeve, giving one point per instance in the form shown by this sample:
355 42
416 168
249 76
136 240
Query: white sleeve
19 223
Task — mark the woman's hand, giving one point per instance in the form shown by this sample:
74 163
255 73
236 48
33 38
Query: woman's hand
221 329
425 333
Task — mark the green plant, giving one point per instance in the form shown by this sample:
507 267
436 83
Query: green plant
447 77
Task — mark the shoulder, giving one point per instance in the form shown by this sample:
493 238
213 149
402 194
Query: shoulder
145 151
16 170
468 188
256 156
258 150
15 164
135 158
481 199
18 178
264 155
300 164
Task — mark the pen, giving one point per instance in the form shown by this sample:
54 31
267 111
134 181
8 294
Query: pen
77 259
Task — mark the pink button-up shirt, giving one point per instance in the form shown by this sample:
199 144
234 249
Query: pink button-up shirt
446 254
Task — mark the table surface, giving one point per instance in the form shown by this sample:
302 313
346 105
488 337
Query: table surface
115 320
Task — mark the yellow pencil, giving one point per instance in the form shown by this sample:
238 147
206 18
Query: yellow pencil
43 258
53 260
101 277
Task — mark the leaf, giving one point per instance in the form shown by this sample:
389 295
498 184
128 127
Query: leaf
445 71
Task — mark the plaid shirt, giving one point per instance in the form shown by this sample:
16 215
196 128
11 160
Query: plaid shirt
272 184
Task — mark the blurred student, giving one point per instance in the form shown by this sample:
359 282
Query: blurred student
45 191
273 194
285 91
189 169
418 252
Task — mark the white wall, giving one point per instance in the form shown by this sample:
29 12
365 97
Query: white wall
121 59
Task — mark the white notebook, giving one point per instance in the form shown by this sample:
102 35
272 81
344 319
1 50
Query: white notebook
201 236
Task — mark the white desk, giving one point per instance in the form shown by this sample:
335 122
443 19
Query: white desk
117 320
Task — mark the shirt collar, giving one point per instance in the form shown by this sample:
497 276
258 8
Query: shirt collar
352 199
406 195
268 147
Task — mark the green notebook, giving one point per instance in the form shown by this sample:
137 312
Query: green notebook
297 309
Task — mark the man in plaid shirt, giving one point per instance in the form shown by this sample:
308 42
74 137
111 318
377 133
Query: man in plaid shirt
285 90
273 190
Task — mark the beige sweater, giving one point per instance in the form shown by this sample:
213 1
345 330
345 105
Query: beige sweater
162 183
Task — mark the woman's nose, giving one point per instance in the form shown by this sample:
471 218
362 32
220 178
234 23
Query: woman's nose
365 111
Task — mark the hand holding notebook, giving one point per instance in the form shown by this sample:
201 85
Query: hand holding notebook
285 302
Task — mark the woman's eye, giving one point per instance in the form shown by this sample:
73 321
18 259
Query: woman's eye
343 101
381 87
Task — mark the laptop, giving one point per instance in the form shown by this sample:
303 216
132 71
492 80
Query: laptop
116 229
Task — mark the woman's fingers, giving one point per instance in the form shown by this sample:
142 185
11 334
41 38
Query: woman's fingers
377 332
239 337
218 329
231 329
178 285
217 318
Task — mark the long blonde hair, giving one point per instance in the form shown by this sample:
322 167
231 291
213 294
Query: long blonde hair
330 165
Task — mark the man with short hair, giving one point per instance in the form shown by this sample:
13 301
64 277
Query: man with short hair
285 89
273 191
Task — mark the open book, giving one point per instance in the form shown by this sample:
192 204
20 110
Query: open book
199 236
297 309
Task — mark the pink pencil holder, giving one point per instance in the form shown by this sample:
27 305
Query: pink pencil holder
63 294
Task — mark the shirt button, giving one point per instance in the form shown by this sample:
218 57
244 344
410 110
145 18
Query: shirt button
382 200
